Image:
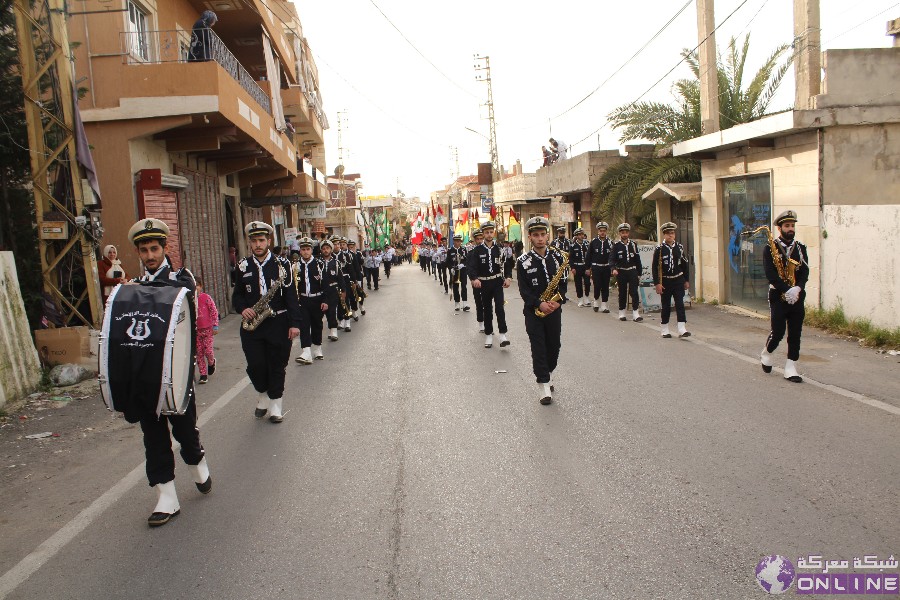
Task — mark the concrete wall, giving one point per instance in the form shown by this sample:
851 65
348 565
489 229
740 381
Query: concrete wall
577 174
862 164
516 188
20 369
861 266
794 168
861 76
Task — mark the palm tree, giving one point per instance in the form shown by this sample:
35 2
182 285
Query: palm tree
617 195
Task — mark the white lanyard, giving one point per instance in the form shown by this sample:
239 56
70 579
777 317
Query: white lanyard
263 286
306 271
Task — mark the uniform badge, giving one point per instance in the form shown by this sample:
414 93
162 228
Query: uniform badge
242 265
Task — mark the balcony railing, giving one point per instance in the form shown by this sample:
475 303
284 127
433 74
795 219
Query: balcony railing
156 47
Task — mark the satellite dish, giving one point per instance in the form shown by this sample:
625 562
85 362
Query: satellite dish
339 170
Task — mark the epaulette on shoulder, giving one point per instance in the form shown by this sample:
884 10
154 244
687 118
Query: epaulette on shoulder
242 265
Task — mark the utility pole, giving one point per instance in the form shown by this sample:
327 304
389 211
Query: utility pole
807 53
339 171
483 63
709 70
46 69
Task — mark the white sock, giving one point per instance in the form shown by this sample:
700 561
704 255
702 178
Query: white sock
682 327
275 407
665 329
263 402
765 357
167 501
200 472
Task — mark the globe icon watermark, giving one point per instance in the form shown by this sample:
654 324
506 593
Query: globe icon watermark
775 574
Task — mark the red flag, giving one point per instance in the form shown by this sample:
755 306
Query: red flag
493 212
512 214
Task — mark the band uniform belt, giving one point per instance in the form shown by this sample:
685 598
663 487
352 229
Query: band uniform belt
311 295
581 264
675 276
280 312
491 277
625 268
597 265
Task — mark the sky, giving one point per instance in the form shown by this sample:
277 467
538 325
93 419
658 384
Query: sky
404 81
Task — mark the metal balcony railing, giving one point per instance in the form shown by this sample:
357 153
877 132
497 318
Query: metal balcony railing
156 47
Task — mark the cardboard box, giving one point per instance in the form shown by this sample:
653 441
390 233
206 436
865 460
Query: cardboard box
63 345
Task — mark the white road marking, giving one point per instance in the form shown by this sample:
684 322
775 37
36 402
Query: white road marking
26 567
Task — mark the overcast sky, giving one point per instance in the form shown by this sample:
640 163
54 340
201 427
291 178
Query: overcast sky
402 114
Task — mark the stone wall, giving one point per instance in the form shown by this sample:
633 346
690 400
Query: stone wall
516 189
19 366
577 174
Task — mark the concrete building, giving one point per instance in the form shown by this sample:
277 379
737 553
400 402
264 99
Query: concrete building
518 192
204 145
570 183
343 208
837 163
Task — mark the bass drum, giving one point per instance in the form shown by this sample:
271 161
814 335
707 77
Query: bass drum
147 350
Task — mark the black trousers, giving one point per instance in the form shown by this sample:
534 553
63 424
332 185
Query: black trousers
673 288
545 335
158 444
268 350
786 316
387 269
459 287
351 297
372 276
582 281
331 315
492 300
601 282
442 272
479 307
311 326
422 262
628 286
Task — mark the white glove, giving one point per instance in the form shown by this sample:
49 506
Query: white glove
792 295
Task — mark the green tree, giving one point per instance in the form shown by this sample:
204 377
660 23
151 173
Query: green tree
617 195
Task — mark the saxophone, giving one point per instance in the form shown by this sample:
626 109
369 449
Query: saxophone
551 293
786 269
261 308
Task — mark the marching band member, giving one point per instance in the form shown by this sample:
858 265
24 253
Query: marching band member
372 265
388 260
149 238
360 275
786 307
456 258
490 274
311 282
534 272
335 288
670 275
347 262
580 249
440 259
477 238
561 243
598 257
625 263
267 348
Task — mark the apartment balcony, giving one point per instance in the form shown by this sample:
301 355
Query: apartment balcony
298 189
229 116
301 112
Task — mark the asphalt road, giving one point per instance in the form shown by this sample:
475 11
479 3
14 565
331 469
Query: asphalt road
408 467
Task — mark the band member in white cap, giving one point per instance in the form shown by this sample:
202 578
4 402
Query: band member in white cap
787 269
335 289
534 272
266 340
456 259
598 257
311 281
149 237
671 277
477 238
626 266
579 249
490 274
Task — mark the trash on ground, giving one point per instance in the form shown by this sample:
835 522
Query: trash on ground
37 436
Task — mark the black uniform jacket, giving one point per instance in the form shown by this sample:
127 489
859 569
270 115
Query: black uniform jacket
534 273
796 251
599 252
625 255
578 253
247 289
674 263
486 262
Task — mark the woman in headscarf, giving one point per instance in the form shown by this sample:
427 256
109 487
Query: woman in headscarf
201 37
111 270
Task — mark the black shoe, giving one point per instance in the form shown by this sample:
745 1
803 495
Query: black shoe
546 400
356 318
158 518
795 378
622 319
685 334
275 419
362 311
205 487
597 309
259 413
766 368
552 388
212 368
639 319
333 338
667 335
203 379
606 311
347 329
466 309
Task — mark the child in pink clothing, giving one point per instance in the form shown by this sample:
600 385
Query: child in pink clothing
207 327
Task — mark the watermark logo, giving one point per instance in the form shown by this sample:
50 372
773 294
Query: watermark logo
775 574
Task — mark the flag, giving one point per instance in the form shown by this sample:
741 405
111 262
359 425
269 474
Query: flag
513 229
418 230
493 212
462 224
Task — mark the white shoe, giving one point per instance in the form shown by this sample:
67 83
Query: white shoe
262 405
603 307
682 330
166 504
504 341
546 394
200 474
317 352
595 305
664 330
765 359
790 372
636 316
275 411
480 327
552 388
305 357
580 302
332 335
621 315
456 307
356 315
488 340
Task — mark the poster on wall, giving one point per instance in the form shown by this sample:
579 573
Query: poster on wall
650 300
290 234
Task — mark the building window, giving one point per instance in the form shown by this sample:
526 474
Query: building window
334 195
748 204
138 32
